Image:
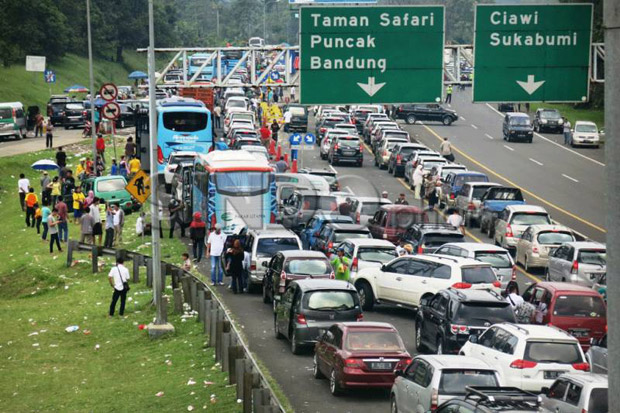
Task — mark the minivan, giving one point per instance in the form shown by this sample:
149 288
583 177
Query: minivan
392 221
517 127
12 120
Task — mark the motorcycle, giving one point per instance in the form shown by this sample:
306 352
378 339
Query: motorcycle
86 132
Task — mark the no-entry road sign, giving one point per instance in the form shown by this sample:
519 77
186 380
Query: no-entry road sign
111 111
108 91
530 53
387 54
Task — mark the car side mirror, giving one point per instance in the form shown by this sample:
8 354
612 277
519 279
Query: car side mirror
545 390
473 339
383 268
265 264
399 373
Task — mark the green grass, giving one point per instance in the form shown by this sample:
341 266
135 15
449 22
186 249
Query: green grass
46 368
574 114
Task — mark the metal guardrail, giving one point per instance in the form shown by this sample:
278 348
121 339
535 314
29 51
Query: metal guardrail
231 349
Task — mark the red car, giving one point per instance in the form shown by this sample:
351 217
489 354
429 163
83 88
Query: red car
392 221
576 309
362 354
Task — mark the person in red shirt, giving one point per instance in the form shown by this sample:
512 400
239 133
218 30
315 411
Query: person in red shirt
89 167
265 135
100 144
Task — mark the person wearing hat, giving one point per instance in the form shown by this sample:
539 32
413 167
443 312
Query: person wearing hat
215 248
341 266
401 200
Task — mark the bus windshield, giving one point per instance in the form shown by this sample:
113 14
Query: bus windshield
242 183
185 121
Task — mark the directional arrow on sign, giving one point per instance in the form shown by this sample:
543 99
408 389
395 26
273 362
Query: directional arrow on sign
371 87
530 86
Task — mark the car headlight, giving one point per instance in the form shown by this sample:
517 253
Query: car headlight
456 115
543 121
561 121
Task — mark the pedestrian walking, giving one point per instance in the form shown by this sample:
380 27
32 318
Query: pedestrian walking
38 125
63 226
217 116
275 127
45 214
265 135
401 200
78 203
456 220
38 217
234 268
449 94
445 149
86 227
431 188
140 225
100 145
293 94
109 226
23 187
61 157
119 223
245 274
52 222
288 116
130 148
568 139
198 232
31 201
119 280
55 188
49 136
418 180
215 247
46 192
174 209
513 296
95 213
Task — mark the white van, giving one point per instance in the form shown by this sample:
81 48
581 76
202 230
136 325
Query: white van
12 120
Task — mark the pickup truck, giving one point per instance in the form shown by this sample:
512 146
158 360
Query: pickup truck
494 201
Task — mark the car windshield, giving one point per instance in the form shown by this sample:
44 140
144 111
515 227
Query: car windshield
268 247
507 194
185 121
598 401
586 306
177 159
342 235
552 352
307 266
243 116
552 237
297 110
437 240
396 135
370 208
587 128
454 381
313 203
331 300
460 180
374 341
520 121
530 219
376 254
478 275
111 185
498 259
550 114
595 257
445 171
480 313
349 143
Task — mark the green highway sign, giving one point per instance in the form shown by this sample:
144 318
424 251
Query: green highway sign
387 54
532 53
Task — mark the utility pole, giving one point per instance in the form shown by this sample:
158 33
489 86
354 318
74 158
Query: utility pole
91 85
611 23
161 325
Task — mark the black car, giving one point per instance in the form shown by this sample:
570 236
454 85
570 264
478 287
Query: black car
346 149
299 118
426 238
55 108
74 115
492 399
308 308
127 117
506 107
517 127
548 120
431 112
359 117
399 155
445 321
333 234
327 123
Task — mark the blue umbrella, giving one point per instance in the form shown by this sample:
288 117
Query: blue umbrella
137 75
76 89
44 165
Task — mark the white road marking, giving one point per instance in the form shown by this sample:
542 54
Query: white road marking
569 177
462 118
509 148
332 168
474 126
553 142
488 136
536 162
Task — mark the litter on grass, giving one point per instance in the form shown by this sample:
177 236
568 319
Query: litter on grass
72 329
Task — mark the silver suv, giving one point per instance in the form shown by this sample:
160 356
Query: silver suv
577 393
578 262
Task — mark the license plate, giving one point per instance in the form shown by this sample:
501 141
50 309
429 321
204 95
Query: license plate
579 333
348 153
552 375
381 366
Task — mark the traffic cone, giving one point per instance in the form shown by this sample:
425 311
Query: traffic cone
272 147
294 167
285 158
279 153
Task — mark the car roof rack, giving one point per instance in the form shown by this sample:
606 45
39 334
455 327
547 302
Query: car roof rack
507 397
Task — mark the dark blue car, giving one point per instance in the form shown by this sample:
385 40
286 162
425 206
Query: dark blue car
454 181
309 234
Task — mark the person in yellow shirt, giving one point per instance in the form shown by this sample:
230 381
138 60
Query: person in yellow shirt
79 170
78 203
38 217
134 166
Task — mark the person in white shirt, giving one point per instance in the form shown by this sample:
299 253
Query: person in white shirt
287 118
247 262
215 248
293 94
23 185
119 274
513 297
119 221
140 224
456 220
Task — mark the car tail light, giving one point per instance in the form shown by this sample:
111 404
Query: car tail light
253 266
354 264
361 148
459 329
354 363
336 147
85 113
272 218
330 245
581 366
497 284
452 196
523 364
461 285
332 276
471 206
301 319
575 268
434 400
352 121
402 364
509 233
283 276
360 317
535 249
399 159
420 250
357 217
322 130
514 273
160 155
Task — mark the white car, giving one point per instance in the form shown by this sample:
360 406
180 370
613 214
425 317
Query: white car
407 279
528 356
585 134
327 141
446 168
431 380
233 116
367 253
515 219
578 262
365 207
236 104
173 161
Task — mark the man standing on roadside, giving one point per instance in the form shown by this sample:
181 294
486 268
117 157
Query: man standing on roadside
23 186
100 144
38 128
401 200
174 208
49 136
449 94
215 247
119 222
341 266
118 276
446 150
567 132
281 165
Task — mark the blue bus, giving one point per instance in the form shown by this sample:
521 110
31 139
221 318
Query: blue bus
195 61
234 189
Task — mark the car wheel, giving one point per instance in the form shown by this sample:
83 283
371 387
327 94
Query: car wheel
334 386
265 294
418 338
410 119
447 120
439 346
295 348
393 406
367 298
276 331
315 368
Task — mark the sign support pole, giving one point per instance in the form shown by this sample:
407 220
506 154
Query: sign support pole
93 132
160 326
